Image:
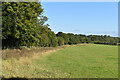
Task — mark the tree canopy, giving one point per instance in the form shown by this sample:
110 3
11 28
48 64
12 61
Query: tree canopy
96 39
23 24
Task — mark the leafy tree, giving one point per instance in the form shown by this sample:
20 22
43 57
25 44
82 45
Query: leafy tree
24 25
60 41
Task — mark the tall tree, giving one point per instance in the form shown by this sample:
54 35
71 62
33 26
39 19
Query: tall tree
24 25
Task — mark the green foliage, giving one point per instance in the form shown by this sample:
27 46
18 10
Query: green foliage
70 38
24 25
19 21
60 41
64 36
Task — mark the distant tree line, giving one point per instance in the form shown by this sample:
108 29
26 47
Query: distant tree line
23 24
69 38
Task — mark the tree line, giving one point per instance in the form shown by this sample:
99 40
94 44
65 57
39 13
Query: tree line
23 24
70 38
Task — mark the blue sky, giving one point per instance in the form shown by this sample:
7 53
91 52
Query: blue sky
98 18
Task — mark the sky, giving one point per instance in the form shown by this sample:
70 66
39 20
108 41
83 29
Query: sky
97 18
79 0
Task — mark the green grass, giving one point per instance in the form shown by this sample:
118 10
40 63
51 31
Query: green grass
88 61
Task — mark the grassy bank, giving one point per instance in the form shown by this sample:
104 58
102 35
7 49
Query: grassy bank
86 61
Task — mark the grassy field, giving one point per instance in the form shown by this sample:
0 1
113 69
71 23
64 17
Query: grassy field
86 61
